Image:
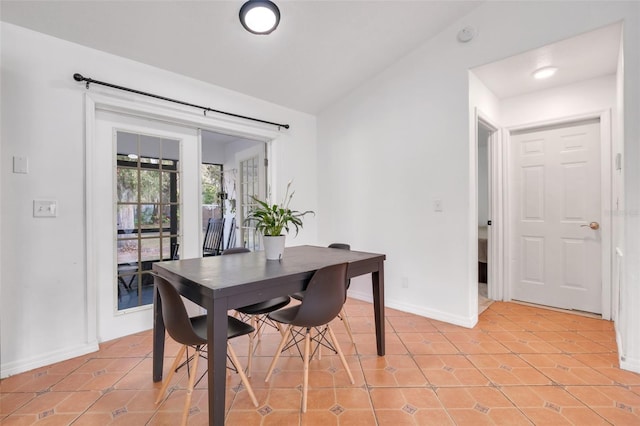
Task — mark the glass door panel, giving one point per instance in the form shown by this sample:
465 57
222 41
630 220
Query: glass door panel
250 188
147 218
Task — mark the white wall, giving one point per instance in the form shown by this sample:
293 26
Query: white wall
628 182
619 313
482 99
212 151
401 140
584 97
43 303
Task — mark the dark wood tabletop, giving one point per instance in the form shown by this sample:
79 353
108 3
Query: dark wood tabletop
220 283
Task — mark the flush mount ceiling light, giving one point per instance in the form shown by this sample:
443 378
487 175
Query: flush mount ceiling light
259 16
544 72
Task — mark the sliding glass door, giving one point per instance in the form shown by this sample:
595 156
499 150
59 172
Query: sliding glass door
144 203
146 189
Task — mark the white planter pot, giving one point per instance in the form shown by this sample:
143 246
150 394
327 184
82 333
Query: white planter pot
273 247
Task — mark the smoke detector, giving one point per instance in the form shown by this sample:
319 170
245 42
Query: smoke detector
466 34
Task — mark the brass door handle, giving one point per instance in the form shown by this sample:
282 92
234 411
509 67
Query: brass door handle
592 225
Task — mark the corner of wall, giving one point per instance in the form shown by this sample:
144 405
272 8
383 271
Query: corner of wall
40 360
467 322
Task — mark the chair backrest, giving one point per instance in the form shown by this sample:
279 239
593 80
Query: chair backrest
212 244
231 239
324 297
236 250
341 246
174 314
175 251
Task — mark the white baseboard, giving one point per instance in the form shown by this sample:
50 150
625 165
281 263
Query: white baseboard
630 364
20 366
358 295
418 310
626 363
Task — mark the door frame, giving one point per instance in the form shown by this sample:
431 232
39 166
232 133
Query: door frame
154 110
606 202
495 279
111 321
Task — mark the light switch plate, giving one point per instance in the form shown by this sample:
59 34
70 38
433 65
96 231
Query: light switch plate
45 208
20 164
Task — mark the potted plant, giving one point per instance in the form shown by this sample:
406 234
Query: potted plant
271 219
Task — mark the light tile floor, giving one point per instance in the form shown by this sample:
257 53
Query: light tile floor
483 301
519 365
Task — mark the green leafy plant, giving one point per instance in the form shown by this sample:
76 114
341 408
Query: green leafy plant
271 219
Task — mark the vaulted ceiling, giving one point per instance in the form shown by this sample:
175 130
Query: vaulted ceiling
320 51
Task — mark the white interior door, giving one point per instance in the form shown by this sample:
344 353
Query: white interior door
556 176
133 230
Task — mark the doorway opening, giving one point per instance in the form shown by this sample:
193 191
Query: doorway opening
483 137
233 170
167 223
212 210
587 90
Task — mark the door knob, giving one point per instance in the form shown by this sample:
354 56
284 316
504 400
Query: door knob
592 225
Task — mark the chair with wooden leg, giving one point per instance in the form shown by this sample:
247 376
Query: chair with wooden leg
343 315
256 314
323 301
192 333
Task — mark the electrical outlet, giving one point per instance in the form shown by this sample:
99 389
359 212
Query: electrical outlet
45 208
437 205
405 282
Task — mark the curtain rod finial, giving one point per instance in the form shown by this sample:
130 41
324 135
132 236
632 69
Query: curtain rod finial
78 77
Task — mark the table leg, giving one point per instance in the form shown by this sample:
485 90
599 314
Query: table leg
158 336
217 359
377 282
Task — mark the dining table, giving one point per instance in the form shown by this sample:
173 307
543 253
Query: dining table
221 283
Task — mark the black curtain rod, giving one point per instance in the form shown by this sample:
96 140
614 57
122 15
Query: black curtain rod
79 77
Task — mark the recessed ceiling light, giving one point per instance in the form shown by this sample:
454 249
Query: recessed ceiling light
259 16
544 72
